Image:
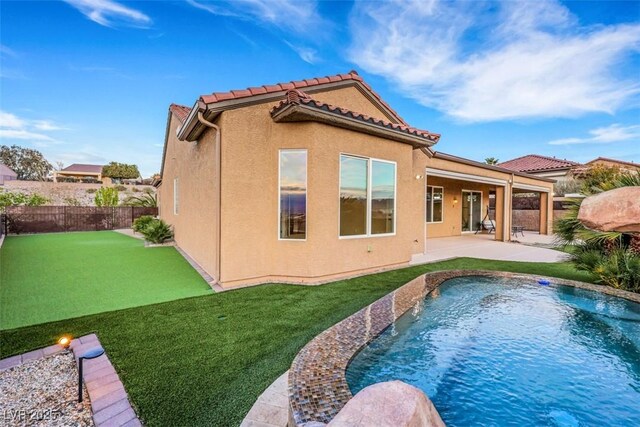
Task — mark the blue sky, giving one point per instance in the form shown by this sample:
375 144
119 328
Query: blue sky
91 80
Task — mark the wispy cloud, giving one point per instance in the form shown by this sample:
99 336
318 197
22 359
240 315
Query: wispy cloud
109 13
307 54
6 51
480 61
299 18
292 15
604 135
13 127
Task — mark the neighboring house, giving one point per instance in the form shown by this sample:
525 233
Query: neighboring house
6 174
80 171
542 166
562 169
314 180
620 164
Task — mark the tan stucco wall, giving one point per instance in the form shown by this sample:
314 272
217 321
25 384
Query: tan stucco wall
195 225
252 251
248 205
353 99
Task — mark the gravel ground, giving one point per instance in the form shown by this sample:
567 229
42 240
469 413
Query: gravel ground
43 392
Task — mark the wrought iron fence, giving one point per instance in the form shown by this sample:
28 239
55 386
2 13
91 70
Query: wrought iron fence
50 219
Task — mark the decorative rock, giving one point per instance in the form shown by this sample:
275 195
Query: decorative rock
393 404
614 210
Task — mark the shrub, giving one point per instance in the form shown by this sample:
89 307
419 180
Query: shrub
141 223
135 189
157 231
619 268
91 190
67 179
72 201
90 181
8 198
146 200
106 196
120 188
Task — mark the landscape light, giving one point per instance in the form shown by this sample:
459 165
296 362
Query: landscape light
89 354
65 342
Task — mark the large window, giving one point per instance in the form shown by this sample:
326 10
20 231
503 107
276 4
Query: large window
367 196
293 194
435 196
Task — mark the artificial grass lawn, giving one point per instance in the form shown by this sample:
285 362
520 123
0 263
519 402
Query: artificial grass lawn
50 277
205 360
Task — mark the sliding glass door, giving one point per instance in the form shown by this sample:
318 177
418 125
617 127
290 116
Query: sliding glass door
471 210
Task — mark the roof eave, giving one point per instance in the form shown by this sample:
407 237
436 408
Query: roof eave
192 128
462 160
302 113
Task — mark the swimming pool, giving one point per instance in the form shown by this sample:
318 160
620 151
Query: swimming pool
497 351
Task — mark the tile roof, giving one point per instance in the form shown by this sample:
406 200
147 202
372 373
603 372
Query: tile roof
295 96
608 159
6 170
79 167
180 111
536 162
279 87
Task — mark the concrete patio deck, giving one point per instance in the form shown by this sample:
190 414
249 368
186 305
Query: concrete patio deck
483 246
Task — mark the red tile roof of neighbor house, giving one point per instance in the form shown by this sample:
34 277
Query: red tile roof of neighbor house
298 97
79 167
180 111
278 87
608 159
536 162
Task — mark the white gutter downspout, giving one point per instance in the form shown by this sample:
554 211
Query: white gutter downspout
218 156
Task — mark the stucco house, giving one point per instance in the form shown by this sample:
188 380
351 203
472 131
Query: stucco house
80 171
319 179
6 174
542 166
562 169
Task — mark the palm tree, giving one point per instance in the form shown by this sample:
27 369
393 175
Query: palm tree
491 161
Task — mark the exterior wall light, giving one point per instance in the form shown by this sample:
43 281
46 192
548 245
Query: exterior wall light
418 176
89 354
455 200
65 342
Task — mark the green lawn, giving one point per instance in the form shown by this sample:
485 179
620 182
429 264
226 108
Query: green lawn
50 277
204 360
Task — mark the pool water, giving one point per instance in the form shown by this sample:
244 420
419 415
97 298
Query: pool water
495 352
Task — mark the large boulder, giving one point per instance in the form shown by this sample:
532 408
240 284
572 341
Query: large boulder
613 210
389 404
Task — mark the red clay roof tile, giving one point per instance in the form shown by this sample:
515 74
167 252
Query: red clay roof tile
180 111
352 75
536 162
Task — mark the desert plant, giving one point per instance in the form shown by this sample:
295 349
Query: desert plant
106 196
72 201
120 188
612 257
147 200
8 198
570 186
157 231
91 190
141 223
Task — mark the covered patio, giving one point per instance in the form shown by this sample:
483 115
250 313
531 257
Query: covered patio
484 246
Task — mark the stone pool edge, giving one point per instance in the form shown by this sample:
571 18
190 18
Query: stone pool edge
317 386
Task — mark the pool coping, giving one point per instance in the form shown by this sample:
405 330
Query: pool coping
318 388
